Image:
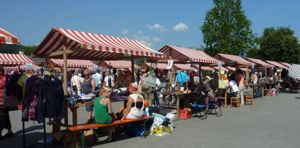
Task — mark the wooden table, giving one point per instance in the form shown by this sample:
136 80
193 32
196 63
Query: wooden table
179 96
74 109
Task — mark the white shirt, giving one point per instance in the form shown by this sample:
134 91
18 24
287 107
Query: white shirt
233 86
106 80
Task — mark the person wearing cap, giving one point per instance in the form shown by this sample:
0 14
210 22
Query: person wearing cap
135 104
88 86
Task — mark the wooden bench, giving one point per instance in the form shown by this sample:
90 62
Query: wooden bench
85 127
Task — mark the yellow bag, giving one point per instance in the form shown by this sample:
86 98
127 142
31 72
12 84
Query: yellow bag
89 133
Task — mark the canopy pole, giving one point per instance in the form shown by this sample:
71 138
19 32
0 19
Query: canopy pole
200 73
65 70
132 68
266 72
247 75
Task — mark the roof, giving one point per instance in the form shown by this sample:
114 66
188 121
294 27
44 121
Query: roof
277 64
222 68
294 71
259 62
72 63
120 64
161 66
234 69
205 68
7 37
14 59
184 66
93 46
285 64
186 54
237 60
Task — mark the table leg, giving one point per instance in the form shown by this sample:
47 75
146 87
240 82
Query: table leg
67 118
178 106
74 115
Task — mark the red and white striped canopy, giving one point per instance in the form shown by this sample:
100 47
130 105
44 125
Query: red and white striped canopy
161 66
8 38
120 64
233 68
8 70
285 64
72 63
221 68
205 68
277 64
259 62
186 54
93 46
184 67
228 58
14 59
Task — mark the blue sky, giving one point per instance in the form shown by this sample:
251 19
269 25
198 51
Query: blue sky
154 22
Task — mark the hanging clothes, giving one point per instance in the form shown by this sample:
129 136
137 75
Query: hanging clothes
43 98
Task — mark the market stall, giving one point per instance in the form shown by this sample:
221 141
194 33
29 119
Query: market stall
12 62
8 38
66 43
186 55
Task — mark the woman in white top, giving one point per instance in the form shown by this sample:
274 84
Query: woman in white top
233 86
135 104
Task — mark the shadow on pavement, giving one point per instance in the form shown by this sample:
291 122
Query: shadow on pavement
297 97
31 140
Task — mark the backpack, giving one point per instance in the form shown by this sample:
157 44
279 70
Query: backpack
150 81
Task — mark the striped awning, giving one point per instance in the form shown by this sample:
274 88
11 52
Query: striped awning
234 69
120 64
259 62
294 71
205 68
184 67
221 68
285 64
72 63
278 65
187 55
7 37
233 60
161 66
8 70
14 59
93 46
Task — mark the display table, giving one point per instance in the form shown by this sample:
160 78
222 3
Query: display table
74 109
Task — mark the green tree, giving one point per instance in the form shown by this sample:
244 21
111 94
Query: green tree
226 29
28 50
279 44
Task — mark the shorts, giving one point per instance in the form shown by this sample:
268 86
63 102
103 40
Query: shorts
89 108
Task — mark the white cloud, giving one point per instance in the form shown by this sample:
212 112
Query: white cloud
125 31
157 27
156 39
180 27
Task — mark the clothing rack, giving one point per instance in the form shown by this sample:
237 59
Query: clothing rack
24 133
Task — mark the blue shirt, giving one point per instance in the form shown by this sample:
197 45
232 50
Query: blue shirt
182 77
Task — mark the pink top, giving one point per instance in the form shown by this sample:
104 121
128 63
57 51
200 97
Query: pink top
2 89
